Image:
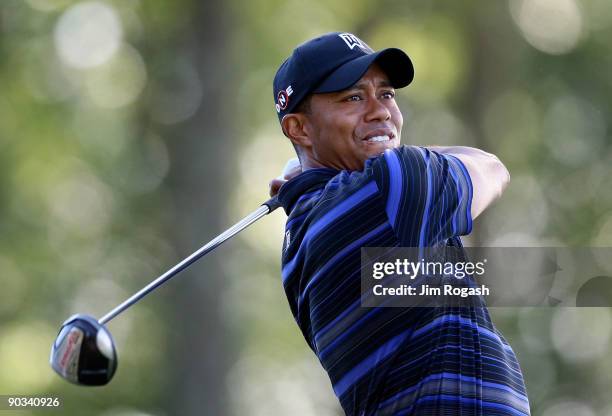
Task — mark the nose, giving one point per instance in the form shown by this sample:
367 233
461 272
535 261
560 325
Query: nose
377 110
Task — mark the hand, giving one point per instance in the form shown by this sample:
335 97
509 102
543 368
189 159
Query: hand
291 170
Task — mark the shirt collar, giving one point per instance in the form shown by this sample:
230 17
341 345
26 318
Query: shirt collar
307 181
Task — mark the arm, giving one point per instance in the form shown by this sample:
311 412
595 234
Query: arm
427 195
488 174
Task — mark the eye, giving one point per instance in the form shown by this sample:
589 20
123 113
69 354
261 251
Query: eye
388 94
354 97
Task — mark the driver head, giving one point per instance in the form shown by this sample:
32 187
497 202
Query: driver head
84 352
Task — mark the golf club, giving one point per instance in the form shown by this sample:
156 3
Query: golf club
84 352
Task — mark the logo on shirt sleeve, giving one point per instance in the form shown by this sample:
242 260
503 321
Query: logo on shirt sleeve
287 239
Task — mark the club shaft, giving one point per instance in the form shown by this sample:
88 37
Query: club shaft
266 208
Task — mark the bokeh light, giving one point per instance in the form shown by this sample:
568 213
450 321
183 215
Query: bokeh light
551 26
88 34
581 334
24 354
119 81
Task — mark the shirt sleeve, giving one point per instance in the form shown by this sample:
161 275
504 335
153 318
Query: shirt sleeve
428 195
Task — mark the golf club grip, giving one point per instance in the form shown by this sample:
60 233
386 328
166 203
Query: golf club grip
272 203
265 208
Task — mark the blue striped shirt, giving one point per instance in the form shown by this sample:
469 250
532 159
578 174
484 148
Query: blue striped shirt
392 361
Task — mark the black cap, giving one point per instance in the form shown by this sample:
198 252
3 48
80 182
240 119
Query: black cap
333 62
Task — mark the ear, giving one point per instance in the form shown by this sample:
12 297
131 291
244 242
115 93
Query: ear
295 127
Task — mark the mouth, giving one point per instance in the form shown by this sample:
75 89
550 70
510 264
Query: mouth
379 136
375 139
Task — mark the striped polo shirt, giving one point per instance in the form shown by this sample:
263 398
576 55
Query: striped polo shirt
391 361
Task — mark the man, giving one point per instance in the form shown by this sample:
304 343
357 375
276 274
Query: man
358 187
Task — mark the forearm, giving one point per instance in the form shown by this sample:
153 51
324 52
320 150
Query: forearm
461 150
488 174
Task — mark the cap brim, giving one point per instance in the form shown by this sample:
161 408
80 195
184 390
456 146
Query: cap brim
394 62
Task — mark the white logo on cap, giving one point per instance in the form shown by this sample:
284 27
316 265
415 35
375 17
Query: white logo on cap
282 99
352 41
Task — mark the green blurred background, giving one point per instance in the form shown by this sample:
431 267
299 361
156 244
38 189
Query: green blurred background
133 131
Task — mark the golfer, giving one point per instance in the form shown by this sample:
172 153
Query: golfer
359 187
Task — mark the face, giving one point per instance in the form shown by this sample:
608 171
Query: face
346 128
